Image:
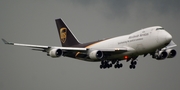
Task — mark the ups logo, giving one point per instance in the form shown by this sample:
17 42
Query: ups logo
63 34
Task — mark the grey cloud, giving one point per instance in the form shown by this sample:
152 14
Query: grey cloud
121 7
84 2
165 6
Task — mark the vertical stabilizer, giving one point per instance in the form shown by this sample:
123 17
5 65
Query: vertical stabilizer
67 38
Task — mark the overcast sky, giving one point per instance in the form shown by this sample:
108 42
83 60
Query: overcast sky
32 22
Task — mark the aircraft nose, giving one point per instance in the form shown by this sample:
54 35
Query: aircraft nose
168 37
164 37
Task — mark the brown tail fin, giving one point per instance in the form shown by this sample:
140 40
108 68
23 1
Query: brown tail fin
67 38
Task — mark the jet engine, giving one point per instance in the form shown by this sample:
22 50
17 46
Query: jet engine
161 55
55 53
171 53
95 54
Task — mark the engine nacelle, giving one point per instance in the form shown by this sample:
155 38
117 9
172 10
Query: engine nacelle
171 53
95 54
55 53
161 55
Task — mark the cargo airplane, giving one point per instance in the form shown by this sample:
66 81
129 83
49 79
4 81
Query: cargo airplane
155 41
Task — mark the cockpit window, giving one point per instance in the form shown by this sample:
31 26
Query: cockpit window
159 28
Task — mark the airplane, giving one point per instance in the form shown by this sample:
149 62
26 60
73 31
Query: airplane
155 41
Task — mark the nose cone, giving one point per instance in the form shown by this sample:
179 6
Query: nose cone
164 38
168 37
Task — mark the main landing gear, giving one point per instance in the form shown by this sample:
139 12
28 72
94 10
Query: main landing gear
133 64
108 64
118 65
105 64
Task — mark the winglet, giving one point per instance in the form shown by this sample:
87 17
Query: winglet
6 42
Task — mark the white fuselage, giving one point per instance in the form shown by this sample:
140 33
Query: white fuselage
141 42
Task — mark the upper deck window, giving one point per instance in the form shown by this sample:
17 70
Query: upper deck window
159 28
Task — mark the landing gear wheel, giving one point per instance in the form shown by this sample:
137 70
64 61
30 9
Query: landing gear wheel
104 67
115 66
135 62
118 65
132 66
121 65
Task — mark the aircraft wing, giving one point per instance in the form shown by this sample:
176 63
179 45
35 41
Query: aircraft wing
42 47
70 50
